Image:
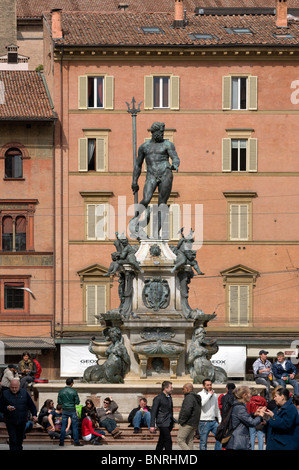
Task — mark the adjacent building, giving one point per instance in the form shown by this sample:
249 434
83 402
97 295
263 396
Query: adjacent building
225 83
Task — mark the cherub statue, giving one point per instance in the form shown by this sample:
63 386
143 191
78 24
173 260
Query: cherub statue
184 253
125 254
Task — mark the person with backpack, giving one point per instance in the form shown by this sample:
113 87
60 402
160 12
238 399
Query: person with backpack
227 399
241 420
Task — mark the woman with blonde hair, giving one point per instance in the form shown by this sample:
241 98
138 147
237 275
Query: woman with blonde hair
242 420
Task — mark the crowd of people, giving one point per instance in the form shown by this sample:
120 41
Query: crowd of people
271 419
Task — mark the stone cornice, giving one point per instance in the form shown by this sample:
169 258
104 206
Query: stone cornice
71 53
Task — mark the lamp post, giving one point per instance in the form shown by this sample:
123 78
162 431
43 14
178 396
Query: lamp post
134 111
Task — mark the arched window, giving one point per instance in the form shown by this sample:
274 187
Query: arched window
7 234
14 233
13 163
20 243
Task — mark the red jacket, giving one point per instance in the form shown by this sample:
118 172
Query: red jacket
255 402
38 369
87 428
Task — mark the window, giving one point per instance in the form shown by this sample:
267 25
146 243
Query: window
239 282
13 163
239 215
14 296
239 93
93 150
14 299
96 92
95 302
17 225
238 305
161 91
151 29
239 154
14 234
239 221
97 221
238 30
96 292
203 36
98 225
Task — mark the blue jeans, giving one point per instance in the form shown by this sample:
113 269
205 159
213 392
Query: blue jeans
205 427
108 424
260 438
142 419
292 382
65 417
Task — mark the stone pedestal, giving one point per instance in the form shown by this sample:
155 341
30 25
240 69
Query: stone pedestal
157 346
157 332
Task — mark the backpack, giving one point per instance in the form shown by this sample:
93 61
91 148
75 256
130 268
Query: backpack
225 429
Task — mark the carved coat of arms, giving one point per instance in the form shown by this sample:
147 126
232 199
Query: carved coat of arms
156 293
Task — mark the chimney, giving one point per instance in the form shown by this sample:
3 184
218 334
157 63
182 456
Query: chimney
179 21
281 13
56 24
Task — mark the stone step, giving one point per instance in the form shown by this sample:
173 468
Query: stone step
37 436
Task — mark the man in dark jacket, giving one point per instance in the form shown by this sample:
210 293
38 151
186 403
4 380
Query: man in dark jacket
140 416
15 404
162 416
189 417
69 398
285 372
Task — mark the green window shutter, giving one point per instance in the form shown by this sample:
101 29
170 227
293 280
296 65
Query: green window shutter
226 154
252 155
83 154
100 154
175 221
82 92
174 92
252 93
109 92
148 92
226 93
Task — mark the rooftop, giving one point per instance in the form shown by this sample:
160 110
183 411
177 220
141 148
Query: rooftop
35 8
152 29
23 96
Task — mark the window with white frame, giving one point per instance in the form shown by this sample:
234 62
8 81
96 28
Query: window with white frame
239 92
162 92
96 92
239 154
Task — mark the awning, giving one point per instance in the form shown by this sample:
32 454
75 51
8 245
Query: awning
15 345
